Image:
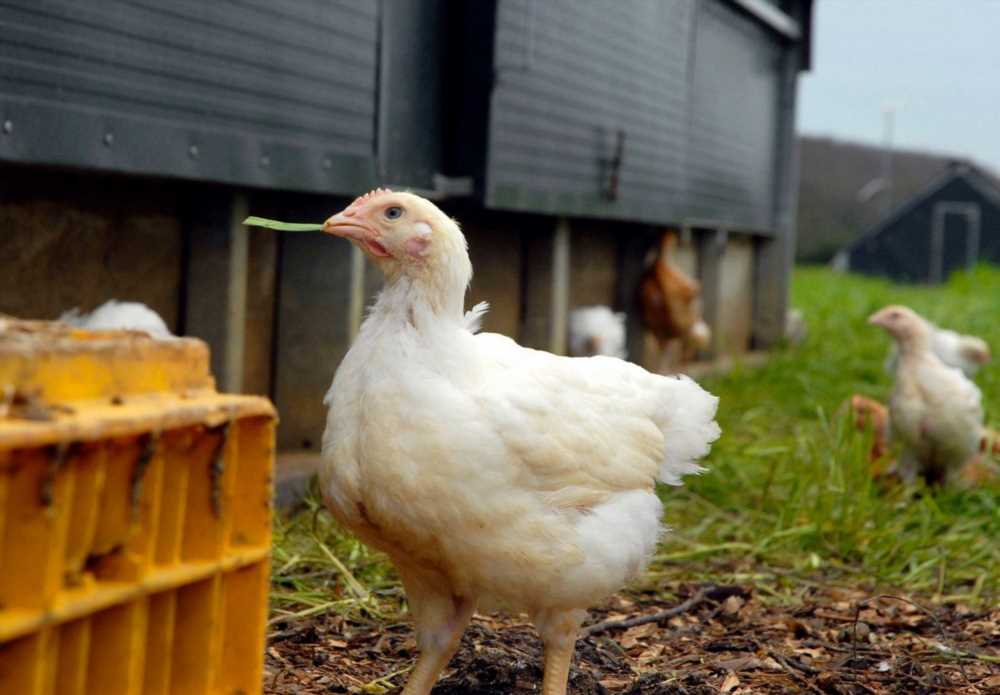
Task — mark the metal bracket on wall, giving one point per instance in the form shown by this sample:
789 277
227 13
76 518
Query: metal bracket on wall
615 167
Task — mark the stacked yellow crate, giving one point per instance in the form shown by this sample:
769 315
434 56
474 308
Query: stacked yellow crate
135 512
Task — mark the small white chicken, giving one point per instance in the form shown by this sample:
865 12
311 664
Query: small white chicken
967 352
115 315
491 474
935 411
596 330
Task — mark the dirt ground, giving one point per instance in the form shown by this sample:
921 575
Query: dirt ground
718 640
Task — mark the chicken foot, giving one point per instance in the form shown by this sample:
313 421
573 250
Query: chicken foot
440 621
558 630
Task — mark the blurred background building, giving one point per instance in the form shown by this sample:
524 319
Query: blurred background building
565 136
953 224
896 123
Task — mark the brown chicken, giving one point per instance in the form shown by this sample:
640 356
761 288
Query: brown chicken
668 301
868 412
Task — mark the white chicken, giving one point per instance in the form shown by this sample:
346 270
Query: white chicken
596 330
967 352
935 411
115 315
491 474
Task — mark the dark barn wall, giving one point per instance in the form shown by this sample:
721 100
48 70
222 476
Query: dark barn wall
262 107
313 323
668 112
495 250
594 260
901 248
77 240
262 278
989 242
74 239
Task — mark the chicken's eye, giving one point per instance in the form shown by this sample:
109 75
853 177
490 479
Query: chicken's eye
393 213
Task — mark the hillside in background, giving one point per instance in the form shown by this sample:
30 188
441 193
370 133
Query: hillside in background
831 174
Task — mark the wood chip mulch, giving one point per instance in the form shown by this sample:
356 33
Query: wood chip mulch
721 640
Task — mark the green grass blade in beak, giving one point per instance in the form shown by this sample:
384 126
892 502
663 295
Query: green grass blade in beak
282 226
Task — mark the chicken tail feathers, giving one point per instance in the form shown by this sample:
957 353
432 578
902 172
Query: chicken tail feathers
687 420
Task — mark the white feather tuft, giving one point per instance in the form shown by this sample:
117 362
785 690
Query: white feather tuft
115 315
474 317
687 420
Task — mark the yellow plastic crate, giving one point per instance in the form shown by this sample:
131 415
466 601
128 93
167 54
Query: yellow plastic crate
135 517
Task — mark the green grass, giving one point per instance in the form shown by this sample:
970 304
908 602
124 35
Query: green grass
788 500
789 494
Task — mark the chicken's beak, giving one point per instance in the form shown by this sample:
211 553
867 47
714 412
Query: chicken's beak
349 226
876 319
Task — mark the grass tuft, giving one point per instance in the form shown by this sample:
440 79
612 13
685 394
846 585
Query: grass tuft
318 568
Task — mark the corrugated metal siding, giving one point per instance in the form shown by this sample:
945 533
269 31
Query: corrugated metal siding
569 76
278 94
694 86
734 122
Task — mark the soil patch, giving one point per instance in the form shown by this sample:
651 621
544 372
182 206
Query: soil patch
727 641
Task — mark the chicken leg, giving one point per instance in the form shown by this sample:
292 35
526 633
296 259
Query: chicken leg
558 630
440 619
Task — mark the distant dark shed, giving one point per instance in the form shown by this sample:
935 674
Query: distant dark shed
953 224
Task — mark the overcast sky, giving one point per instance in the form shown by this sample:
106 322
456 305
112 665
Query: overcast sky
939 60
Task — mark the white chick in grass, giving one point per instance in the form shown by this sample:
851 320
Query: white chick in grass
934 411
115 315
491 474
596 330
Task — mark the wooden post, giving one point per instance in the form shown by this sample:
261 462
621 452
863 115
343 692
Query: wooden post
774 256
560 287
215 307
546 289
711 249
357 303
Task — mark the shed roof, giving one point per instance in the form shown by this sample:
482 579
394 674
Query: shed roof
981 181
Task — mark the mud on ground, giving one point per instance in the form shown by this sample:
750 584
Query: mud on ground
724 640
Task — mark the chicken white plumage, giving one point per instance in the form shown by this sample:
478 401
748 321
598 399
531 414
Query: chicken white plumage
596 330
115 315
492 475
967 352
935 411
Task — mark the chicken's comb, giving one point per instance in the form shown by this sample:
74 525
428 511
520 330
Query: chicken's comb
368 197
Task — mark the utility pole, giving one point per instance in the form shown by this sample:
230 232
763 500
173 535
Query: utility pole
888 126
